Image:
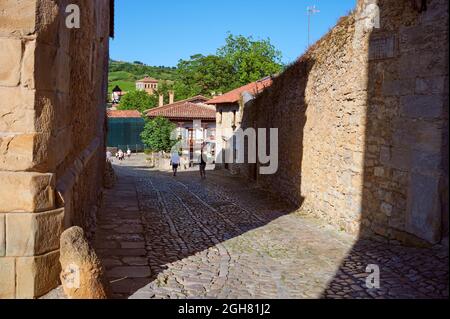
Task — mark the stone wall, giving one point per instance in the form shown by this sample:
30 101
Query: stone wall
363 123
52 119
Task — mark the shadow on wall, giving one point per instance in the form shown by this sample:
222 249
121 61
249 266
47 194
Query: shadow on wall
404 177
405 190
287 90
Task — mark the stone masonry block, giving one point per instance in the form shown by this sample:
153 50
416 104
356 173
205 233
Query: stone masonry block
17 110
17 18
422 106
427 162
10 60
417 134
423 207
27 152
7 278
26 192
433 85
2 235
36 276
398 87
16 152
30 234
28 65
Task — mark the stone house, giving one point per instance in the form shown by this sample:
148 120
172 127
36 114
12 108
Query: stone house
186 115
229 109
147 84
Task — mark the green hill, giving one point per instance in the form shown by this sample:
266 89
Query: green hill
125 74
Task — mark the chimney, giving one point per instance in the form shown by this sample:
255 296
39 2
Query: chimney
161 100
171 97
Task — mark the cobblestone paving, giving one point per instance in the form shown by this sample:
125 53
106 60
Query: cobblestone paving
166 237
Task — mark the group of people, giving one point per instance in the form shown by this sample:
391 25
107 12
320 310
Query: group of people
120 155
175 162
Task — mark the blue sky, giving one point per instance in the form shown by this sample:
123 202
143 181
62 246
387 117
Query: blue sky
161 32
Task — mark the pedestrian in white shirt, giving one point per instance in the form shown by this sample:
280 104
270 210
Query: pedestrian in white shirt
175 162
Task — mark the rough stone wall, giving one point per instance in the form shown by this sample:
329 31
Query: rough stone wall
407 124
362 120
52 115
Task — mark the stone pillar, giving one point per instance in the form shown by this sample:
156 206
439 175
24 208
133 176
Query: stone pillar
29 220
171 97
161 100
37 62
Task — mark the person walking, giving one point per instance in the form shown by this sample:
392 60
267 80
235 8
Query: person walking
175 162
121 155
129 153
203 159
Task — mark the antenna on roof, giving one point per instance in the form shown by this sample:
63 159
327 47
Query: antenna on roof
310 11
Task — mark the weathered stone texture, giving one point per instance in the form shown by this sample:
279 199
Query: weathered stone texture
33 234
7 278
10 58
52 120
362 124
37 275
14 24
82 275
17 113
26 192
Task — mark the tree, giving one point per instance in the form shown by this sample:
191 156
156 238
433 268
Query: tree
251 60
137 100
204 75
157 134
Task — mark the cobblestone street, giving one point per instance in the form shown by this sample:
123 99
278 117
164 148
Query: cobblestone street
180 237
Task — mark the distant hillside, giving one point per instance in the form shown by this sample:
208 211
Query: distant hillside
125 74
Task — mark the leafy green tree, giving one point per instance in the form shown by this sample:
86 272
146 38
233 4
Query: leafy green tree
251 59
157 134
137 100
240 61
204 75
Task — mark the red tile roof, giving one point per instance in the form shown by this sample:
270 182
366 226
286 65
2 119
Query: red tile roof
123 114
148 80
194 99
184 111
235 95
